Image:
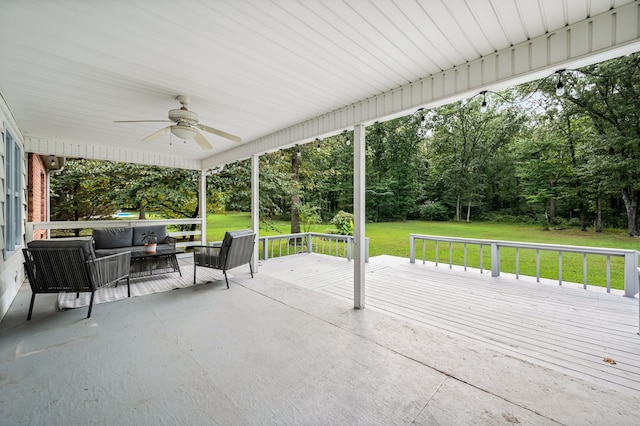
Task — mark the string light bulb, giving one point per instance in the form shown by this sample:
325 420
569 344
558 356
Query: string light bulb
560 85
298 153
318 144
347 141
483 105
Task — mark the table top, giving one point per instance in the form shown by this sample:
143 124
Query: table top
159 252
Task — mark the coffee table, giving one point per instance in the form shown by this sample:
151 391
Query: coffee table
163 261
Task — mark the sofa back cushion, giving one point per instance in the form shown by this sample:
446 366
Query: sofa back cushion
107 238
159 231
81 242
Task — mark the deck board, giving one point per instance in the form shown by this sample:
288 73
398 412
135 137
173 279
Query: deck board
560 327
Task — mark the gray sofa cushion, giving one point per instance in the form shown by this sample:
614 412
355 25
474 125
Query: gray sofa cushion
82 242
108 238
160 232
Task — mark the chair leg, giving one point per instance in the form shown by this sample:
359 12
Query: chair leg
195 267
251 269
33 298
225 277
128 287
91 304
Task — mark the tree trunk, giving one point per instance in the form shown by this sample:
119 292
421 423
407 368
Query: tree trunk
599 214
552 212
142 214
583 218
469 212
630 199
194 215
458 208
295 193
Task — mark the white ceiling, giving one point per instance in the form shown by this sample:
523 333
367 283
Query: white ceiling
69 68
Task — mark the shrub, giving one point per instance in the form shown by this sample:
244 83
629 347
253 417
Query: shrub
434 210
343 222
309 216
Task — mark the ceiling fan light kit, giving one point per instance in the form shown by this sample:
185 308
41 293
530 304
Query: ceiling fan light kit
186 127
183 132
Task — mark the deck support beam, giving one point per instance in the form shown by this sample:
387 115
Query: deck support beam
255 205
359 173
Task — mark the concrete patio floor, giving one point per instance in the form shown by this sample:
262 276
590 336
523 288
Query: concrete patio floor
270 352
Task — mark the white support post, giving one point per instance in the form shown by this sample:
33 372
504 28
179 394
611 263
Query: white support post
359 255
495 260
255 205
631 273
203 207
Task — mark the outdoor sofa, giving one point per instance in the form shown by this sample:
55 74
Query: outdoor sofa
107 241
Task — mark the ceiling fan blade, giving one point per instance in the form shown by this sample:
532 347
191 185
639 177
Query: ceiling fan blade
144 121
202 141
154 135
219 133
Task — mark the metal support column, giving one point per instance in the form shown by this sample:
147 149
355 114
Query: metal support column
359 255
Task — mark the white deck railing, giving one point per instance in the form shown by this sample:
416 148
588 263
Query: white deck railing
629 257
309 242
91 224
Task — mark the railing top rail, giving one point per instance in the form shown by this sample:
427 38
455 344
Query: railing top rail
525 245
71 224
301 234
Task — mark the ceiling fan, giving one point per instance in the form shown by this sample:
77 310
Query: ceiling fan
186 126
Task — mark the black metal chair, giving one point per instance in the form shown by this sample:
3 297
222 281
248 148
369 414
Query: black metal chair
68 266
235 250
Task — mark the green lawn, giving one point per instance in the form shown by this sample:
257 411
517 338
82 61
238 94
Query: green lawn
393 238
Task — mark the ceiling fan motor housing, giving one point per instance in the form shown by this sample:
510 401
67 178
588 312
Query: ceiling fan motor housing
183 115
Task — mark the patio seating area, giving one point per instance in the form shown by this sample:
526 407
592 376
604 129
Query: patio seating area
270 351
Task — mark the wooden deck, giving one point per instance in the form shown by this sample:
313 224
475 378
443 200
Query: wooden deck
563 328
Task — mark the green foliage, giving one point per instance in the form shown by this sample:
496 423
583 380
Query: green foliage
343 222
434 210
83 190
309 216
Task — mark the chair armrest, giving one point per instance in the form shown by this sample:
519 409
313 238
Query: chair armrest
208 256
109 269
215 244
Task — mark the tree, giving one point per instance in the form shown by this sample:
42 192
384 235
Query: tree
609 94
83 191
463 148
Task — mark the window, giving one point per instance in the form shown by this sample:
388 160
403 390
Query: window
13 193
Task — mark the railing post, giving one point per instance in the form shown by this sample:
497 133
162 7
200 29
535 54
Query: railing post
309 242
412 249
265 248
495 260
28 232
349 247
630 273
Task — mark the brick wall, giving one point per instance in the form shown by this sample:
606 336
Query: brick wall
37 194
